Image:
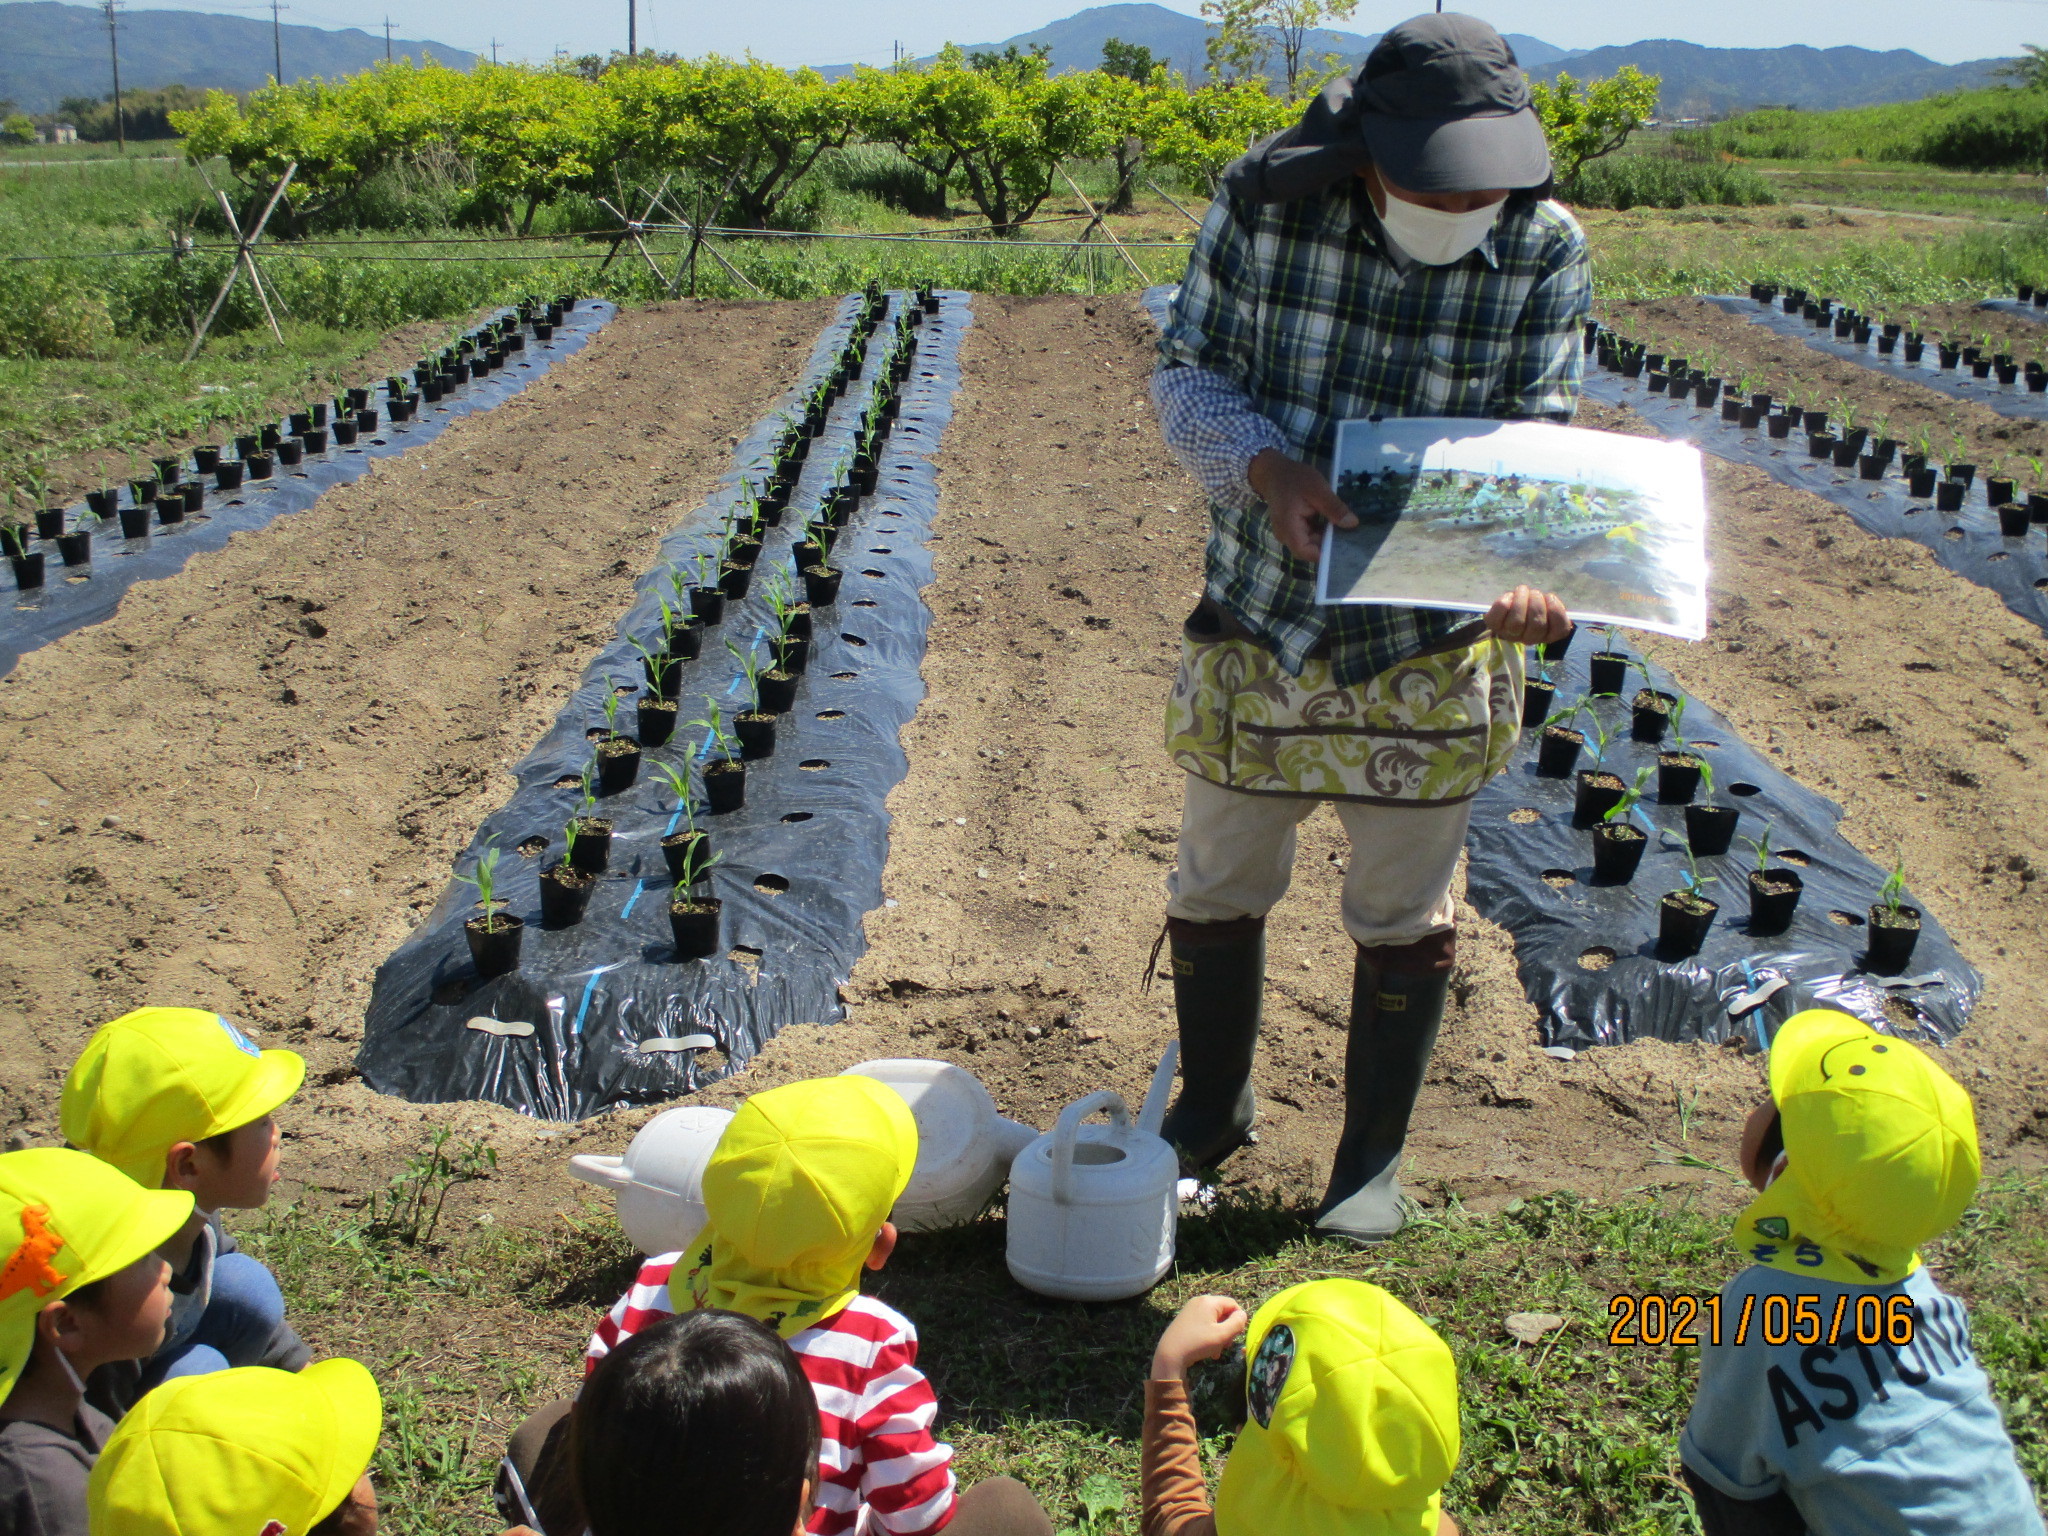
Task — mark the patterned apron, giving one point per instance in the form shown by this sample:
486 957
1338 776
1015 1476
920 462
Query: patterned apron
1428 731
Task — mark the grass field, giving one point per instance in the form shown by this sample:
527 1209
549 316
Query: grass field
1566 1437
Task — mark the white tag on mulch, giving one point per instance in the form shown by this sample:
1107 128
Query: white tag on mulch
679 1043
518 1029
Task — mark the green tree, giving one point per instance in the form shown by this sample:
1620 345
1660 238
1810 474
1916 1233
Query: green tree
1585 120
16 129
1003 130
1237 48
1199 132
2030 69
1128 61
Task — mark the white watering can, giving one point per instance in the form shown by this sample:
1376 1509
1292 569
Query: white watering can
1093 1208
964 1148
660 1180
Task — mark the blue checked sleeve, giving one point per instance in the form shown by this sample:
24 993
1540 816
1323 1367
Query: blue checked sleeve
1210 425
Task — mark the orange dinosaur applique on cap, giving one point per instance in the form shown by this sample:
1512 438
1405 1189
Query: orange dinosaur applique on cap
29 1269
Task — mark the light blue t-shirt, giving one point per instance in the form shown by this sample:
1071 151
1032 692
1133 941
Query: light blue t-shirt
1866 1439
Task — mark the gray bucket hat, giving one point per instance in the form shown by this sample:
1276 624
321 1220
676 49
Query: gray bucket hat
1440 105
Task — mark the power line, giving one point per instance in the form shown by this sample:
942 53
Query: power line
114 51
632 28
387 39
277 39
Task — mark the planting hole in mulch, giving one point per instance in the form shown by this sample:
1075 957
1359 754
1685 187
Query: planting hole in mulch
813 764
880 549
1845 919
1794 856
742 954
1559 878
853 639
796 816
831 714
1598 958
595 732
1526 816
533 847
874 575
1953 533
567 781
1743 791
865 602
1903 1016
1998 555
771 885
844 677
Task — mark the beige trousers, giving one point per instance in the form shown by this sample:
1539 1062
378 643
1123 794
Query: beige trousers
1237 858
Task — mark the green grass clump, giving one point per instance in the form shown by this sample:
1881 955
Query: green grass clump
1649 181
1567 1436
1997 129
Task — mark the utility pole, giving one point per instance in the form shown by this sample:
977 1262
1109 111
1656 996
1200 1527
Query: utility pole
387 39
277 40
632 27
494 50
114 51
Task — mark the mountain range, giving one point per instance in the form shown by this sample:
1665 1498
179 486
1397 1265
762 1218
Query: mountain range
55 50
52 51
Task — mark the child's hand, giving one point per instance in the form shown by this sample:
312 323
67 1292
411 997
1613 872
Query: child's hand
1205 1328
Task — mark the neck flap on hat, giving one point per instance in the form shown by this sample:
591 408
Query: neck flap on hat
787 1301
1783 1230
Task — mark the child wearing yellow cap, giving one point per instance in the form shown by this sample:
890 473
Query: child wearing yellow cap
1841 1396
798 1195
1352 1427
179 1098
81 1286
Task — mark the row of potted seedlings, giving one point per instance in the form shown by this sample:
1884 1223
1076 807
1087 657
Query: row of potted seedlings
1611 807
1953 352
177 486
1833 434
697 600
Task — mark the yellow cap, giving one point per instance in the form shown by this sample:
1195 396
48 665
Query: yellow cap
159 1076
1880 1153
1353 1429
249 1452
801 1181
66 1220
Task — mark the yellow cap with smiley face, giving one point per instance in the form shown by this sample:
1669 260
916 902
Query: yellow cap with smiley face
1880 1153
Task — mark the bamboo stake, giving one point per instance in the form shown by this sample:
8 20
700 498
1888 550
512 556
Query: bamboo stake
1176 207
1102 220
242 244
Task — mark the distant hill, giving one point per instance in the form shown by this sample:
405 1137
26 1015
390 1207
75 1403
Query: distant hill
1703 82
1076 42
53 51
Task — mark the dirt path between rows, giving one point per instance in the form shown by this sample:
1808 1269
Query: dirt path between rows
240 791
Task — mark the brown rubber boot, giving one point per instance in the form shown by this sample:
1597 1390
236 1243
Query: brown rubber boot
1397 1004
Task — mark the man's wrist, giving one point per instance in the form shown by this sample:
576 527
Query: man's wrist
1260 467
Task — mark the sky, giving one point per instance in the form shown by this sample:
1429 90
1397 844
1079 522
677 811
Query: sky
798 32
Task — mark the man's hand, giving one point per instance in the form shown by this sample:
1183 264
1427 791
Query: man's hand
1528 617
1204 1328
1298 502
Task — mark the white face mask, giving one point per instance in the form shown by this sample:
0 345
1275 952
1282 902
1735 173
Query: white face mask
1435 238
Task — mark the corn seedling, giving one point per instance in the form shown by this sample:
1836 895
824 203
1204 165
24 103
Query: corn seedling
1706 782
750 669
1891 894
611 707
1676 725
1601 737
697 865
1631 797
484 876
721 738
679 786
1761 846
569 841
1695 883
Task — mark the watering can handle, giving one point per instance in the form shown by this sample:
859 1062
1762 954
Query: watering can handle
1153 1115
594 1168
1069 1127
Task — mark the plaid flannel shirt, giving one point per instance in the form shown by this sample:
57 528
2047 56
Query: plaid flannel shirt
1294 317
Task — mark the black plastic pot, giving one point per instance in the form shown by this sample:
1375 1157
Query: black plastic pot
1608 671
686 639
1870 467
1814 421
1656 382
725 784
1846 453
50 520
1557 750
1553 650
2013 521
290 451
1748 417
1892 938
1678 778
1820 445
564 893
143 491
756 732
657 719
28 570
206 459
1967 473
693 921
1948 356
194 497
618 764
1594 799
1536 699
301 422
1770 911
269 436
792 655
344 433
1948 496
170 509
75 548
494 950
104 503
1650 714
1914 351
2037 506
1682 923
1998 490
1920 483
1709 829
821 585
315 440
1732 409
168 469
675 850
707 605
228 477
135 522
1779 426
664 677
776 692
593 844
1617 850
733 581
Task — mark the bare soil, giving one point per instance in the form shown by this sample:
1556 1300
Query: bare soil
243 790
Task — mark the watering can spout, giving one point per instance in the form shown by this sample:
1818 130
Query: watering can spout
1153 1115
593 1168
1012 1137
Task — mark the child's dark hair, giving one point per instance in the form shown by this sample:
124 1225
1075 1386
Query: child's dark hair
703 1423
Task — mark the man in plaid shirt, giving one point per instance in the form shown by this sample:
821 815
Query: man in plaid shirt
1393 254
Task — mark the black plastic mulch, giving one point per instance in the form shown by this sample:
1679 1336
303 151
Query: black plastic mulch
2012 400
73 597
2023 307
1587 954
609 1009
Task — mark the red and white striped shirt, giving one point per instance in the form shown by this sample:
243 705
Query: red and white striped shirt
875 1409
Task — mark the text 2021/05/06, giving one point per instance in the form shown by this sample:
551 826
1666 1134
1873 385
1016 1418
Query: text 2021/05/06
1691 1318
